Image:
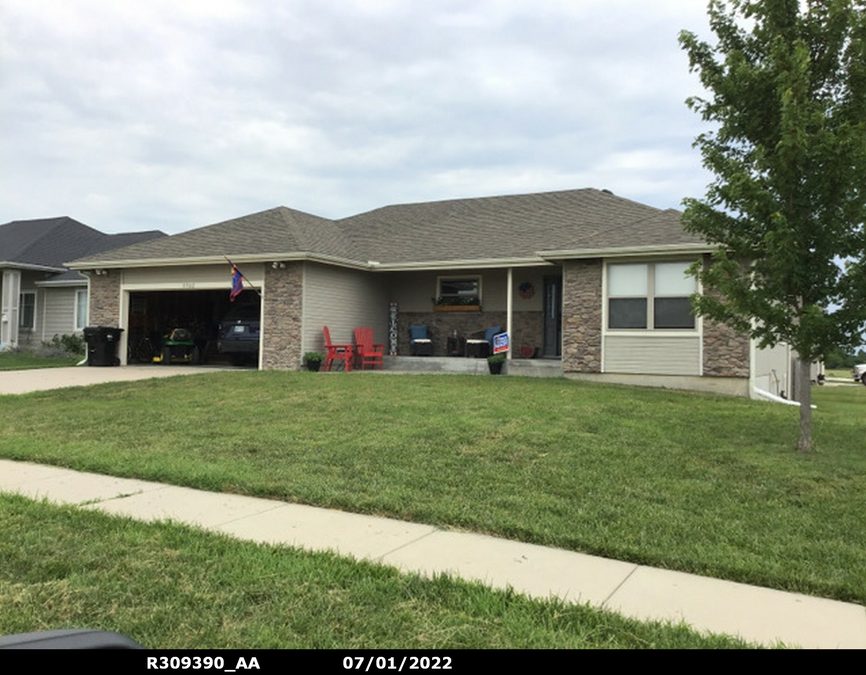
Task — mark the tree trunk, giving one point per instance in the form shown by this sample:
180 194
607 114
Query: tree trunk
804 396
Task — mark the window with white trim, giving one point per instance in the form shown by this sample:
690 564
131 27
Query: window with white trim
80 310
27 310
650 296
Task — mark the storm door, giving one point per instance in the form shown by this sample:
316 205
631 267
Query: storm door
552 317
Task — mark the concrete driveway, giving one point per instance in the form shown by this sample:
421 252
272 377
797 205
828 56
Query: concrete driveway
24 381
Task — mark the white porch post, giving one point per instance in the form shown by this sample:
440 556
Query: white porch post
9 308
509 306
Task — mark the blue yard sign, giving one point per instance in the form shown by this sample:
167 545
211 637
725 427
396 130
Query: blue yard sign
500 343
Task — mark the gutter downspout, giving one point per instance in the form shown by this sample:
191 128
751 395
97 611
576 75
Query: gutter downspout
777 399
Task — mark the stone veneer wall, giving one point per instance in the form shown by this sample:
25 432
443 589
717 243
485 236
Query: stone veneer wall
528 328
104 299
581 316
281 329
726 352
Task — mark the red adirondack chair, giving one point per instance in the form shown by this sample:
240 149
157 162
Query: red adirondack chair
368 353
344 353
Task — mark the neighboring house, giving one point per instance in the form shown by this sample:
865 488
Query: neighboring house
584 276
39 296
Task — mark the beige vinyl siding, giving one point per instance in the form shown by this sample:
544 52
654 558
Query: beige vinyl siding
191 278
342 299
414 291
58 312
772 369
652 354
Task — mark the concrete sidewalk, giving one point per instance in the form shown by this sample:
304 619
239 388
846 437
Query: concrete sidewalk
40 379
755 614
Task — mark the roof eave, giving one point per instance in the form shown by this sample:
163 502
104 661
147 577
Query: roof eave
62 283
476 263
217 260
30 267
627 251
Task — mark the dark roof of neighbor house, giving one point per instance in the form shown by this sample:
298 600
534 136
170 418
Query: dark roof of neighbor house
489 228
52 242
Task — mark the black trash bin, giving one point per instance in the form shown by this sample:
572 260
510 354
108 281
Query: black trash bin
102 344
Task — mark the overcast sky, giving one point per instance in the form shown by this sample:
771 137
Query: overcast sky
153 114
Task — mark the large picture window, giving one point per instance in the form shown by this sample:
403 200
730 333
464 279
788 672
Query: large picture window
464 290
650 296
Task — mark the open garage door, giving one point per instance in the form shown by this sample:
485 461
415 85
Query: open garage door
193 317
156 301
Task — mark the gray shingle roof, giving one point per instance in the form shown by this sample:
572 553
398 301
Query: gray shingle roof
514 226
48 242
279 230
51 242
488 228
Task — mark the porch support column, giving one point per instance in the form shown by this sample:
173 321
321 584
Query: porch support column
9 308
509 309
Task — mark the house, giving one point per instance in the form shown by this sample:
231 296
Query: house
584 276
39 296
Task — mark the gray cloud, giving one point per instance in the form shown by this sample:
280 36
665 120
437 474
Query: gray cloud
158 114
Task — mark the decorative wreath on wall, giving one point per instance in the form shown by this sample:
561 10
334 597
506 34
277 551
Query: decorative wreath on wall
526 290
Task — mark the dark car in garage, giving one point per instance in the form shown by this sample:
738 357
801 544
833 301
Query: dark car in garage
238 335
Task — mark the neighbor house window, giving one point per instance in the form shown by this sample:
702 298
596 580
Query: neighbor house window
27 310
650 296
80 310
464 290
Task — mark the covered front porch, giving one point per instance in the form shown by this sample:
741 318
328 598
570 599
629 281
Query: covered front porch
459 306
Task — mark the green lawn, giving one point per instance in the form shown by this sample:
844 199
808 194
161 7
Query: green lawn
843 373
700 483
29 360
173 587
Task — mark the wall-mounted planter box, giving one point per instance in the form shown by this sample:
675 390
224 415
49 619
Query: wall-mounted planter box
457 308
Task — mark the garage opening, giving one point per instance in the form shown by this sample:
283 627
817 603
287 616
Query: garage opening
156 317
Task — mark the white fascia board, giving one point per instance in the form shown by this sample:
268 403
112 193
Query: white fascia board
30 267
627 251
481 263
61 284
217 260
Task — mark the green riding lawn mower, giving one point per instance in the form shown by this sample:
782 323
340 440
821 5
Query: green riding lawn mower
180 347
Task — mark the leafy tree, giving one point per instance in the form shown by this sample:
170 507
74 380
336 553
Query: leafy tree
786 87
838 358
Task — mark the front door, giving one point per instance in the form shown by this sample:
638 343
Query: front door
552 317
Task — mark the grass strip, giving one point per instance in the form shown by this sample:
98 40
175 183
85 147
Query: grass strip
30 361
174 587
